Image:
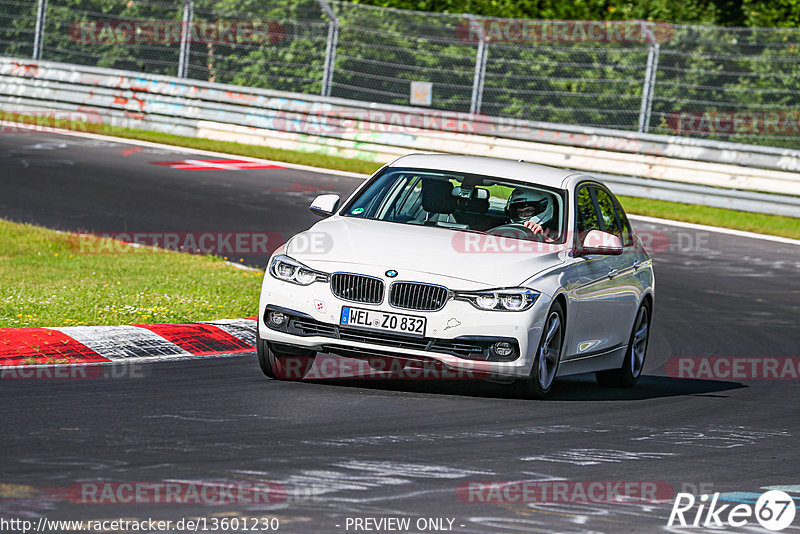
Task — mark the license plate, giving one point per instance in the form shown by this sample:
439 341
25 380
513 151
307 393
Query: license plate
378 320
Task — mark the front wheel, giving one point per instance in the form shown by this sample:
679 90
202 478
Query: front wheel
548 356
283 362
627 375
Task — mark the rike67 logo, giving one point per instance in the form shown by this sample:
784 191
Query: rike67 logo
774 510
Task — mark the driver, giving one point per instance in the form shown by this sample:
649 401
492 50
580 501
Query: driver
533 209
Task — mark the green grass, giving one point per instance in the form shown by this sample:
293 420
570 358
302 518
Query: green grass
761 223
739 220
51 278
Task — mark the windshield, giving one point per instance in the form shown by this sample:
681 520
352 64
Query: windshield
465 202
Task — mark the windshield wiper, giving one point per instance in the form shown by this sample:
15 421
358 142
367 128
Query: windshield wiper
469 230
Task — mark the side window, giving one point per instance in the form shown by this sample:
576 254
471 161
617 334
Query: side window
407 207
627 232
587 218
607 213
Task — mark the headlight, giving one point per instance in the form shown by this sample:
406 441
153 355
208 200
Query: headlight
285 268
514 299
487 301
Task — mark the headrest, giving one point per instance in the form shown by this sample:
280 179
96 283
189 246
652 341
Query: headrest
437 196
477 205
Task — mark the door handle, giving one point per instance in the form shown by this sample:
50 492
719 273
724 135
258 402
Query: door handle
612 273
637 264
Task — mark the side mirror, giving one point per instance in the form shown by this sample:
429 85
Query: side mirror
599 242
324 205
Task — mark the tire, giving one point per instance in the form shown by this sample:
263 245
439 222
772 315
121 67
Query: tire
281 362
627 375
548 356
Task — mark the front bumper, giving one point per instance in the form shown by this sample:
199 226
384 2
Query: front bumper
458 336
467 347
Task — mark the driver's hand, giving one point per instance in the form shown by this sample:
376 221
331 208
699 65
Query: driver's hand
534 227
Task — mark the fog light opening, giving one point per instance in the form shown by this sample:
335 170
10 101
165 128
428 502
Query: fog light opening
276 318
503 349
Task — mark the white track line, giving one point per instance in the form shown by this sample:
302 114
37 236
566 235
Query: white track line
728 231
717 229
188 150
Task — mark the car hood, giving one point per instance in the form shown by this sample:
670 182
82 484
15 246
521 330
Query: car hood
349 242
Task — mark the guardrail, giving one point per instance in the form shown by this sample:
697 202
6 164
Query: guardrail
737 176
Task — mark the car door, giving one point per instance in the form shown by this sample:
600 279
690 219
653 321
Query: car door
633 276
622 271
602 298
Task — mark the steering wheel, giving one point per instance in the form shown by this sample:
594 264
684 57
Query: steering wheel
517 231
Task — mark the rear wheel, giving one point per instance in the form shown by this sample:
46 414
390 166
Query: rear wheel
627 375
548 356
282 362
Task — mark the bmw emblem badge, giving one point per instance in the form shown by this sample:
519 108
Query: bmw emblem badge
391 273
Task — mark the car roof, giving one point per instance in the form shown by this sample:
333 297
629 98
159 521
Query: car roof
500 168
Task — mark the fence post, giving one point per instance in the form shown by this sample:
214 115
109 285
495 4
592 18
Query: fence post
330 48
649 88
38 34
480 73
186 38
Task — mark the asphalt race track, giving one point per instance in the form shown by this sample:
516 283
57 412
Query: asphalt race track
367 449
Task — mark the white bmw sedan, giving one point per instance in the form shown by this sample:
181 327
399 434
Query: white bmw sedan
520 271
